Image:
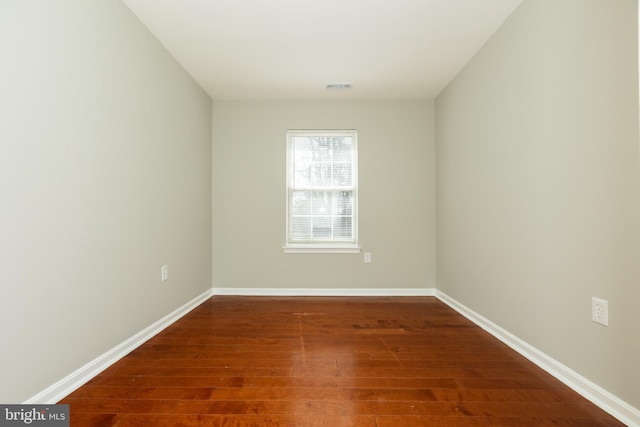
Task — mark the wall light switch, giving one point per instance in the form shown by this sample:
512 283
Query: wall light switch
164 274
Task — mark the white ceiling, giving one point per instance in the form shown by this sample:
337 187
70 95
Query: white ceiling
291 49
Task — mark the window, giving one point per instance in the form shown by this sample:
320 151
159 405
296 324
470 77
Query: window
322 198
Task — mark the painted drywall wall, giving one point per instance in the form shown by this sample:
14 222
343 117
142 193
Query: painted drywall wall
105 175
396 195
538 185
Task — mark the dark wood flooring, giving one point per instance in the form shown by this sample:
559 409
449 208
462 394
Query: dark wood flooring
327 361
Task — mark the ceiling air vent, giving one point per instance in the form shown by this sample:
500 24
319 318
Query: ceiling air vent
339 86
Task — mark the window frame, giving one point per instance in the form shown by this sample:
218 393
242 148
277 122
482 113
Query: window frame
322 246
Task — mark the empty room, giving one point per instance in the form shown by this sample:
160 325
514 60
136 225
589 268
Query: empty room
331 213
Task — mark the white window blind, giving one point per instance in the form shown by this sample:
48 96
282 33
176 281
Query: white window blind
322 190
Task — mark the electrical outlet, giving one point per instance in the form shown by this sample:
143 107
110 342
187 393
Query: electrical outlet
367 257
164 274
600 311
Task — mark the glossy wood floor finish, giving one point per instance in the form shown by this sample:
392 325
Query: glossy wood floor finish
318 361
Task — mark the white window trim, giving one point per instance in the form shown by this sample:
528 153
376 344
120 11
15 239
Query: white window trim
323 246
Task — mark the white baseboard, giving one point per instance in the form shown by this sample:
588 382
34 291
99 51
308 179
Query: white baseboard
314 292
596 394
592 392
73 381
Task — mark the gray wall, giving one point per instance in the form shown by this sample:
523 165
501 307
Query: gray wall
538 185
396 197
105 148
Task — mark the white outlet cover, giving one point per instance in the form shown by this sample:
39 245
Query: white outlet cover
600 311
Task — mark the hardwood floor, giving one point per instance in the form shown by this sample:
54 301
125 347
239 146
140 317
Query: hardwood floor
327 361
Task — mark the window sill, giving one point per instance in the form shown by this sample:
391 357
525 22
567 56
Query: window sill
308 248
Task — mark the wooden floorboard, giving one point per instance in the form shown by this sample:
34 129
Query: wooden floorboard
327 361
